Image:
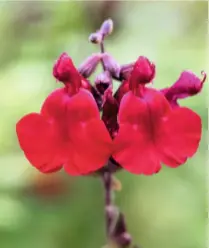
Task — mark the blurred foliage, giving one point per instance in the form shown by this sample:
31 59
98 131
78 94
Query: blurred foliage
165 210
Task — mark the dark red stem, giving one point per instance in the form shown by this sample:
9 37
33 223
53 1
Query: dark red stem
107 181
116 230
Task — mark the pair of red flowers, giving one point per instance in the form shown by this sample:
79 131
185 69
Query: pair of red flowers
141 127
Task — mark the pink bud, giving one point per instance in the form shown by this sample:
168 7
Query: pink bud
89 65
103 81
125 71
96 38
111 65
106 27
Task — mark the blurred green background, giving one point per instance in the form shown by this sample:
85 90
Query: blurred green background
167 210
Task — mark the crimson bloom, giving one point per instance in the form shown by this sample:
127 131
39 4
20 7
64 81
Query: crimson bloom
141 128
150 131
68 131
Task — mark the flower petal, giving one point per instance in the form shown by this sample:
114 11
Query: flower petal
37 140
92 147
90 139
151 133
188 84
85 137
135 152
180 136
150 107
54 105
139 119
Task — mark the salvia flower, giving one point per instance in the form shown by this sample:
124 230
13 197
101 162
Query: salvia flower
140 128
150 131
68 131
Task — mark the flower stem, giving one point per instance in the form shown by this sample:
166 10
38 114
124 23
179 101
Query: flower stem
102 50
107 181
116 230
102 47
111 211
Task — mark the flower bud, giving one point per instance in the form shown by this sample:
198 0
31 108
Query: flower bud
120 226
125 71
106 27
111 65
96 38
103 81
89 65
111 211
120 234
143 71
122 90
110 111
64 70
124 240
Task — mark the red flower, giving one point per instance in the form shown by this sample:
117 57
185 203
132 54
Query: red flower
68 131
150 132
146 129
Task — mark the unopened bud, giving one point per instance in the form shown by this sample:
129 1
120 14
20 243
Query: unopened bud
111 211
96 38
103 81
65 71
126 70
122 90
143 71
124 240
97 97
111 65
106 27
89 65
